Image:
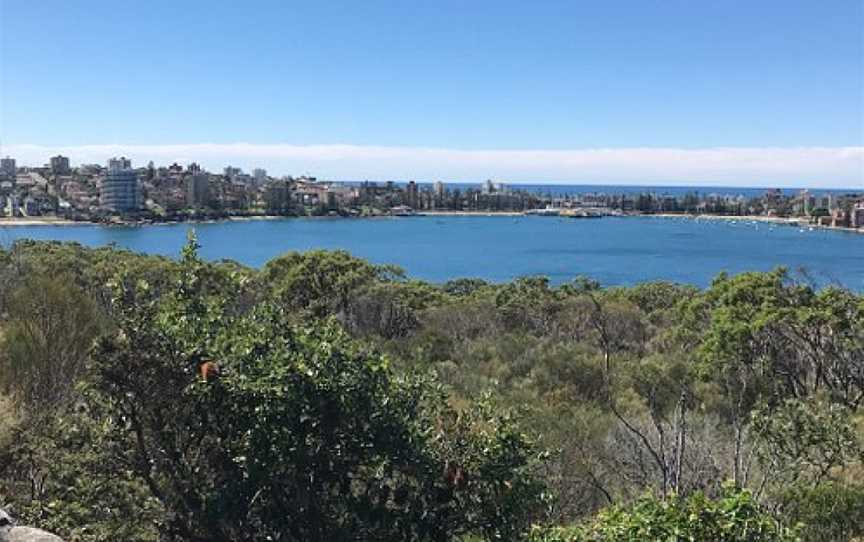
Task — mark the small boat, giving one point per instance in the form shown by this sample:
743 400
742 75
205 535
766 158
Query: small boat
580 213
402 210
548 211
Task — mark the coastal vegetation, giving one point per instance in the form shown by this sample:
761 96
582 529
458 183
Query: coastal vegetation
353 402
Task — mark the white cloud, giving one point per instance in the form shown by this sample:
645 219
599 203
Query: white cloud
728 166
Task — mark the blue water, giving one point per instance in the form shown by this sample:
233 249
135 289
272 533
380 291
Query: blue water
614 251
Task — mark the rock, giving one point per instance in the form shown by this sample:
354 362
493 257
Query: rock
26 534
9 532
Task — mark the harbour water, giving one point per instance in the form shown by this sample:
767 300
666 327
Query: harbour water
612 250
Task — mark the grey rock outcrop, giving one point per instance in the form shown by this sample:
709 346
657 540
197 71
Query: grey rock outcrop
26 534
9 532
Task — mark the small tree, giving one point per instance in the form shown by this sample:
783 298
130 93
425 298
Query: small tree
49 329
734 517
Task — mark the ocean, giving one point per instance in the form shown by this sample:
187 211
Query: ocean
561 190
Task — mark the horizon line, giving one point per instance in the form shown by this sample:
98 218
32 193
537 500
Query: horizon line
659 184
820 167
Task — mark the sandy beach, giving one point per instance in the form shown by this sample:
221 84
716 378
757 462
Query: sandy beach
40 221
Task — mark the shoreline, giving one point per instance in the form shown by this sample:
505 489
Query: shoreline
757 218
782 221
42 221
56 221
470 213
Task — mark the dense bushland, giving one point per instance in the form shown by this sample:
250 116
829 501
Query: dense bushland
356 404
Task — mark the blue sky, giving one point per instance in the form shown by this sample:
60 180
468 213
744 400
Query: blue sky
451 76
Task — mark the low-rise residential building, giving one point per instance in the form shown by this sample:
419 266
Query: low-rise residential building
278 195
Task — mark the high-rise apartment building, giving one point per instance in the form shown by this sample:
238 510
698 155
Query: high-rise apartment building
439 190
60 165
198 190
411 198
7 166
856 218
118 192
119 163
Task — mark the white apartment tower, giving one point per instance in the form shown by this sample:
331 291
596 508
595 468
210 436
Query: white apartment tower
118 192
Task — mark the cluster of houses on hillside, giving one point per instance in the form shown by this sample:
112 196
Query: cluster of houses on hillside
119 191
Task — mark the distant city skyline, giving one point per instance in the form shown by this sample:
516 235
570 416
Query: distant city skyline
732 93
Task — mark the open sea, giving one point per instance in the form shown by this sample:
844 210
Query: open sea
562 190
612 250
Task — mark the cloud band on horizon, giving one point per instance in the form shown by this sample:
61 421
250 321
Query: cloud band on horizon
815 167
